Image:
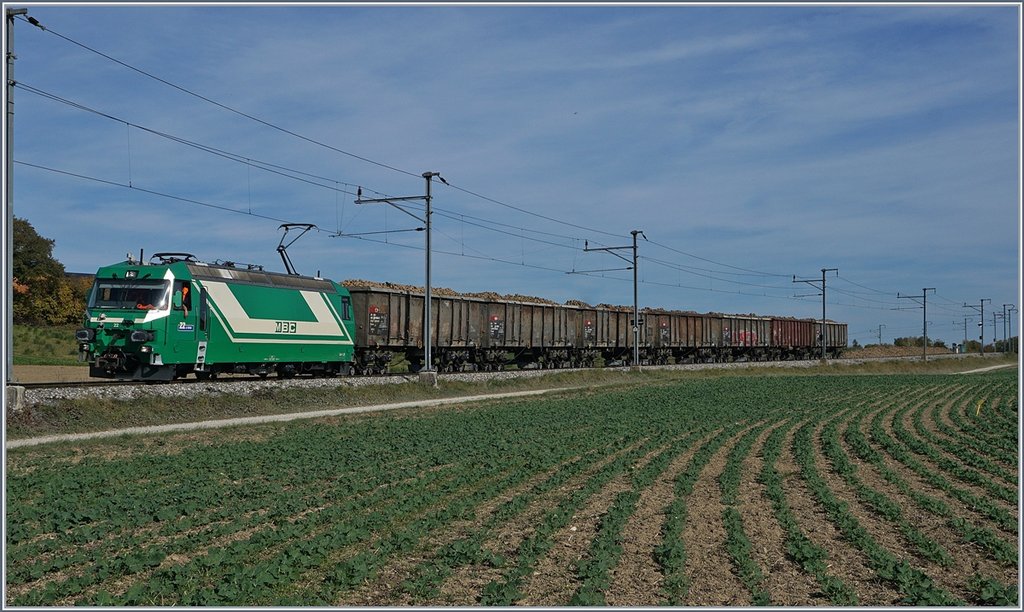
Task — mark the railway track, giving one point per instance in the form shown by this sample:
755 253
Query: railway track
240 379
85 384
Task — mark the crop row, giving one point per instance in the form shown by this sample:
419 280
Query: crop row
328 512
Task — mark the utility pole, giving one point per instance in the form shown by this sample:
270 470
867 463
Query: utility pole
812 282
9 194
966 319
427 320
981 321
1009 326
880 326
924 305
1008 310
636 303
995 335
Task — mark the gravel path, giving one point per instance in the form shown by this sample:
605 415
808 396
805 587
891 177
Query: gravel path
995 367
273 418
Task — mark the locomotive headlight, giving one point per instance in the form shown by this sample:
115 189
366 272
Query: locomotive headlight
146 349
85 335
141 336
84 347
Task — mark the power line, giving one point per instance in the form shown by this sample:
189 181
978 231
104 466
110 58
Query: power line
237 157
708 276
857 295
481 257
531 213
152 192
873 290
261 216
307 138
753 272
297 175
224 106
459 217
291 173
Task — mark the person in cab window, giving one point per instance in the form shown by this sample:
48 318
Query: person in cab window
141 302
184 289
186 300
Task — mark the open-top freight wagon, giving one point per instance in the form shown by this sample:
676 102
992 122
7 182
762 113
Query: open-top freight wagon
487 333
177 316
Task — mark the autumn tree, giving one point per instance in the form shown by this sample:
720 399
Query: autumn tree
42 293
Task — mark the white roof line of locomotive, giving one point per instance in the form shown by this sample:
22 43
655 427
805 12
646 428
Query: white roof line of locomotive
214 266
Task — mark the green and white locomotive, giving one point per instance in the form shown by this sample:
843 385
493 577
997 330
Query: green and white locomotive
175 315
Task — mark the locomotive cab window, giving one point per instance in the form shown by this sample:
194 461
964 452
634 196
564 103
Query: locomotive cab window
129 294
182 299
346 308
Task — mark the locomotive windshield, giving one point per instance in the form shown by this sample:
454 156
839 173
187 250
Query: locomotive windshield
141 295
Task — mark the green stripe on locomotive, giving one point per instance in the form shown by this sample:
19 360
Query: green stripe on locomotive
210 318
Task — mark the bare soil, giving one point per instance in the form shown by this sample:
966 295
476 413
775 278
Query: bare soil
636 581
844 562
968 559
783 580
38 373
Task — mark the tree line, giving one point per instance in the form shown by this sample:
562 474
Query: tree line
972 346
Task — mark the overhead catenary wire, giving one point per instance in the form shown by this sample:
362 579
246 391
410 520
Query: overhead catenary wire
221 105
308 139
705 275
871 289
482 257
298 175
278 169
291 173
228 209
151 192
284 171
705 259
333 184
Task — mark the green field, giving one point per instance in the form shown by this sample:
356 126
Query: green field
45 345
710 490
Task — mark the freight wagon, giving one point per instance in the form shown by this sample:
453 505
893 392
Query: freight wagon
472 333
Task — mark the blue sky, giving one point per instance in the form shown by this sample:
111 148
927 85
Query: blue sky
749 143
